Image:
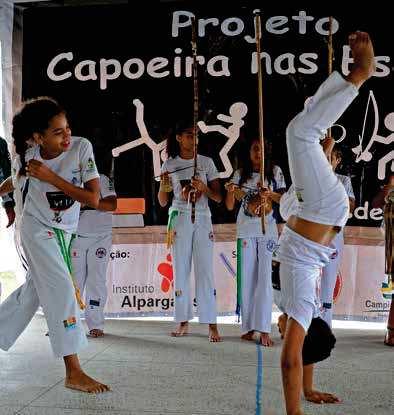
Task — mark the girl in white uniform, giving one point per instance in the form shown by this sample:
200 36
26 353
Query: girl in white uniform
192 241
323 210
56 166
254 249
330 271
91 249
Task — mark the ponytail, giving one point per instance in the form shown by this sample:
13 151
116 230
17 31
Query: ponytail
33 117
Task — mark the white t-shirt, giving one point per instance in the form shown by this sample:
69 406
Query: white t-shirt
347 184
93 222
289 204
47 203
206 172
250 226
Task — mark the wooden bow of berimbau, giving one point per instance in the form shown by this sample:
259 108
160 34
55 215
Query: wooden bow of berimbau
330 57
389 236
193 192
261 114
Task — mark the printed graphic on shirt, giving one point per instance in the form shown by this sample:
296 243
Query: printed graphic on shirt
299 195
272 245
90 166
111 186
248 198
59 202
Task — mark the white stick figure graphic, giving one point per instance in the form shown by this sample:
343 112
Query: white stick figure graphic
144 139
365 154
237 111
382 164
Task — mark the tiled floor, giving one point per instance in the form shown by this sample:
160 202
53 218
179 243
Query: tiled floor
152 373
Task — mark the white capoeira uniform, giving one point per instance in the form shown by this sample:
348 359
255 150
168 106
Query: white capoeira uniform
193 242
288 206
254 257
90 255
321 196
330 271
47 214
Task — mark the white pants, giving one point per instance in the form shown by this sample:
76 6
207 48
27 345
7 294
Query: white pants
194 242
90 256
48 284
329 278
256 283
301 261
322 197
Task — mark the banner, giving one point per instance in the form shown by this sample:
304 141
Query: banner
125 80
359 294
140 282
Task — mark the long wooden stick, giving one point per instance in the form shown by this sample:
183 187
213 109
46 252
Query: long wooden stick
261 112
195 113
389 234
330 57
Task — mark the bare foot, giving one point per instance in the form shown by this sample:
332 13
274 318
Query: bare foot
320 397
248 336
363 55
265 340
282 322
214 336
256 336
181 330
96 333
80 381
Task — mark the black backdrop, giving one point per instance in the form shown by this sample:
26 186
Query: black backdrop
106 114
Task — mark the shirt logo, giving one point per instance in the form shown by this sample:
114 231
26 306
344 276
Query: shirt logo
111 184
299 196
271 245
90 165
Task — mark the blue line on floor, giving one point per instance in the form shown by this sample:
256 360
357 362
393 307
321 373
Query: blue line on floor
259 380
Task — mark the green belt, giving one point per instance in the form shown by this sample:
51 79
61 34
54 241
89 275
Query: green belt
66 254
